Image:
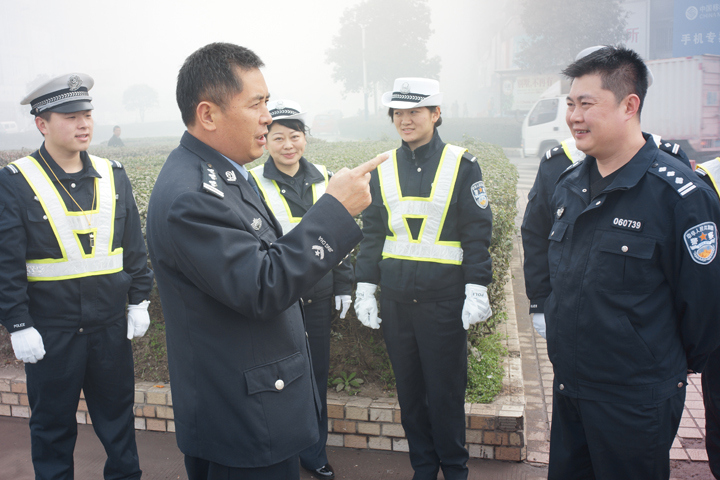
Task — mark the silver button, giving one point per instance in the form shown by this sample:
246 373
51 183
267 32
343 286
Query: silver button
306 183
598 202
414 300
681 384
310 301
283 190
279 384
117 196
552 233
44 217
80 330
72 185
624 248
584 190
561 387
36 198
419 169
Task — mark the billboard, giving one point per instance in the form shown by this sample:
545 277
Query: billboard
696 28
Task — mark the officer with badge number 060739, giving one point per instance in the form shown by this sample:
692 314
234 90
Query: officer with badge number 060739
427 234
73 255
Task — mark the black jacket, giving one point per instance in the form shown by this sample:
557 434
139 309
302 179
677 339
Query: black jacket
418 281
26 233
243 390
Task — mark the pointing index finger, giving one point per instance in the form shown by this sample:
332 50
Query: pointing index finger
371 165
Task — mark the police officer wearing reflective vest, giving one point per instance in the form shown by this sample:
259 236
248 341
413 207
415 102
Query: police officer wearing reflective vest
709 172
630 309
538 219
427 235
290 185
73 256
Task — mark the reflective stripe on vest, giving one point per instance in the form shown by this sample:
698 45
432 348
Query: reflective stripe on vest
432 210
571 150
712 168
276 200
67 225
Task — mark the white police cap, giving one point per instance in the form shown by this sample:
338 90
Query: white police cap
286 110
587 51
411 92
64 94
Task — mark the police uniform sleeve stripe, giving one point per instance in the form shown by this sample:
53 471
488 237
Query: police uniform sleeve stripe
689 187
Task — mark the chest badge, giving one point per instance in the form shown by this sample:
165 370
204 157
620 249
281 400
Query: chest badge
256 224
480 194
701 242
230 175
560 212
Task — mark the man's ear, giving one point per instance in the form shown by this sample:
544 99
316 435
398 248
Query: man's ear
41 125
205 115
631 105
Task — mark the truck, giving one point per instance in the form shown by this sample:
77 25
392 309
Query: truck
682 106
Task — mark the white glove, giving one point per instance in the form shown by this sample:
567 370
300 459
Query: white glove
539 323
138 320
28 345
477 305
343 302
366 305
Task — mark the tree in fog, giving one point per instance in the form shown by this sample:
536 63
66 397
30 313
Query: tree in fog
140 97
558 30
396 34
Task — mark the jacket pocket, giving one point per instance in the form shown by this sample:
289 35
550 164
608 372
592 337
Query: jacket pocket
625 263
275 376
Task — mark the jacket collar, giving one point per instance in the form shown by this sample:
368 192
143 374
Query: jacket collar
87 171
629 175
425 152
312 174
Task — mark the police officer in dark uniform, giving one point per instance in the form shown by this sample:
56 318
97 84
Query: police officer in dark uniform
633 242
290 185
73 255
709 172
245 398
538 218
427 235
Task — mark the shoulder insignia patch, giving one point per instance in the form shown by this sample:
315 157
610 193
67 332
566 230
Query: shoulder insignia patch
210 183
116 164
671 148
12 168
480 194
701 242
556 150
675 178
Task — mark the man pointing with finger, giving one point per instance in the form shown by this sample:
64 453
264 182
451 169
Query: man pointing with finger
426 243
244 396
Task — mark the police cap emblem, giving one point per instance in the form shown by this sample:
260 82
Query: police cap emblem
256 224
405 88
74 82
701 242
479 194
280 105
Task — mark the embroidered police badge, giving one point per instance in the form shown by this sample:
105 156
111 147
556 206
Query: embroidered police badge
701 242
479 194
230 175
256 224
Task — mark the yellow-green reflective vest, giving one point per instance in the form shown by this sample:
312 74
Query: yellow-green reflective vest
712 168
431 210
276 200
67 226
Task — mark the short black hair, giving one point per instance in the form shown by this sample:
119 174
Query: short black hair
433 108
621 70
116 126
209 74
291 123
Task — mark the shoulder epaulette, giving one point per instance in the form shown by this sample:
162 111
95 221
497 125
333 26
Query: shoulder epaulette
330 173
469 156
674 177
573 165
701 172
210 183
12 169
556 150
671 148
117 165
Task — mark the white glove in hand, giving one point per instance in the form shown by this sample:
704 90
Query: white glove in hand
477 305
366 305
343 302
28 345
539 323
138 320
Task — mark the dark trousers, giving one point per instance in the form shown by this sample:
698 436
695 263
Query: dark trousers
612 441
199 469
711 398
317 324
427 346
101 364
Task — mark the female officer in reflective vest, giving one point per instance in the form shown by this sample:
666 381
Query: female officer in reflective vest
427 234
291 185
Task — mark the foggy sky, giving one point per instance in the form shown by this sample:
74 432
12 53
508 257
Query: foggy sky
125 43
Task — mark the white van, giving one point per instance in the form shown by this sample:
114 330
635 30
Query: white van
545 126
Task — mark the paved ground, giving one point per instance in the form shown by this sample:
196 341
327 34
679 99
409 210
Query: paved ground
160 458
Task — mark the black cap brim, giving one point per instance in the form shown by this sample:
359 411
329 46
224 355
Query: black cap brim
70 107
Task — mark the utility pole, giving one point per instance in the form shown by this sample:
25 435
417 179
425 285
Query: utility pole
365 88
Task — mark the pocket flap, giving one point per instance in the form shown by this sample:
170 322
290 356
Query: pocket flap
274 377
558 231
629 245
